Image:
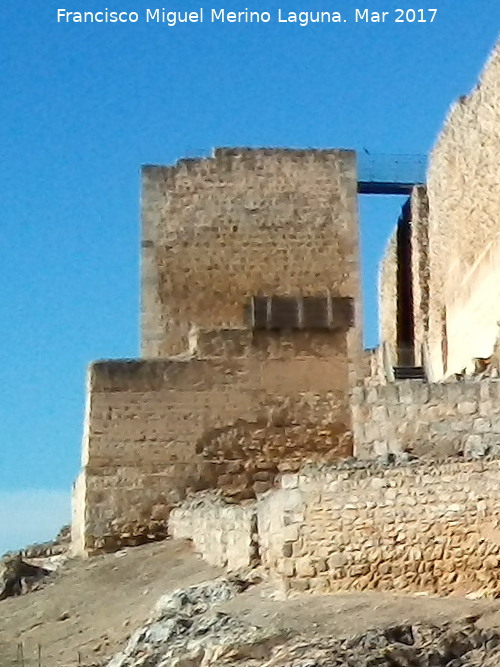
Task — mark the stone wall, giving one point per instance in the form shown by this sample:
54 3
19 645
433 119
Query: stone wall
427 420
420 268
245 222
388 296
424 526
464 224
252 406
430 527
217 402
224 535
388 281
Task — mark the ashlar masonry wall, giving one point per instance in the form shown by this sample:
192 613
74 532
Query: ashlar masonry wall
158 429
430 527
218 402
464 228
242 223
426 420
420 269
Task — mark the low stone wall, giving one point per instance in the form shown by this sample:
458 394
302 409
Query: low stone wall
432 527
428 420
224 535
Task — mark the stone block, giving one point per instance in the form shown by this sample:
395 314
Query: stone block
337 560
475 447
481 425
305 567
290 481
286 567
467 407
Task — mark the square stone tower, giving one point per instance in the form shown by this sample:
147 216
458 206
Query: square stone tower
251 340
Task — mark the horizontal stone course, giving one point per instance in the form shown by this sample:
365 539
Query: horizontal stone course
429 420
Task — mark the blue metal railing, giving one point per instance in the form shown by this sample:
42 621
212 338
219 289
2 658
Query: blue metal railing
396 169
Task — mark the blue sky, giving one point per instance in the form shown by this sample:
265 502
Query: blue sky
82 106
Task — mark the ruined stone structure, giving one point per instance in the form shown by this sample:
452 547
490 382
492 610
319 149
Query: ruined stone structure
253 391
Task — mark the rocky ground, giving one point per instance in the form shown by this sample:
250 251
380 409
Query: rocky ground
161 606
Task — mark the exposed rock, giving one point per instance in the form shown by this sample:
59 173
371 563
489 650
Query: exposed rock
18 577
42 550
451 645
186 631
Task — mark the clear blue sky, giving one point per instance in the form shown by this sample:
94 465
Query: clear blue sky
84 105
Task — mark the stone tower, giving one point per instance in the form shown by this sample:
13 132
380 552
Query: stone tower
251 339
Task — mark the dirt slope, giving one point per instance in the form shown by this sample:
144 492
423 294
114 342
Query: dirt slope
91 607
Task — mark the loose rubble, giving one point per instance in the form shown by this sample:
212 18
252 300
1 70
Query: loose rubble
18 577
451 645
28 570
186 631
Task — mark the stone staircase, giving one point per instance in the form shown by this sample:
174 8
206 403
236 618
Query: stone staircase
409 373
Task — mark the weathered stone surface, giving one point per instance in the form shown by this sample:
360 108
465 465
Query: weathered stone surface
434 421
463 226
144 450
455 246
186 630
225 535
450 645
216 403
243 223
358 525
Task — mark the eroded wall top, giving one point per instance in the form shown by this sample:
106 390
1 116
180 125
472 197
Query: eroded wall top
245 222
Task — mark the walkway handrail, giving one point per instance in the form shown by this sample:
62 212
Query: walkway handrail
391 168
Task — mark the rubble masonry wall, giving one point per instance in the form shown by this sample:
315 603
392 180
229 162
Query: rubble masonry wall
425 526
429 527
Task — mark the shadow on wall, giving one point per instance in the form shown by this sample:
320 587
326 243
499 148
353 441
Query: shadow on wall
377 219
244 459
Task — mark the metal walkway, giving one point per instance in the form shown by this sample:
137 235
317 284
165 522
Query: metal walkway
390 174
